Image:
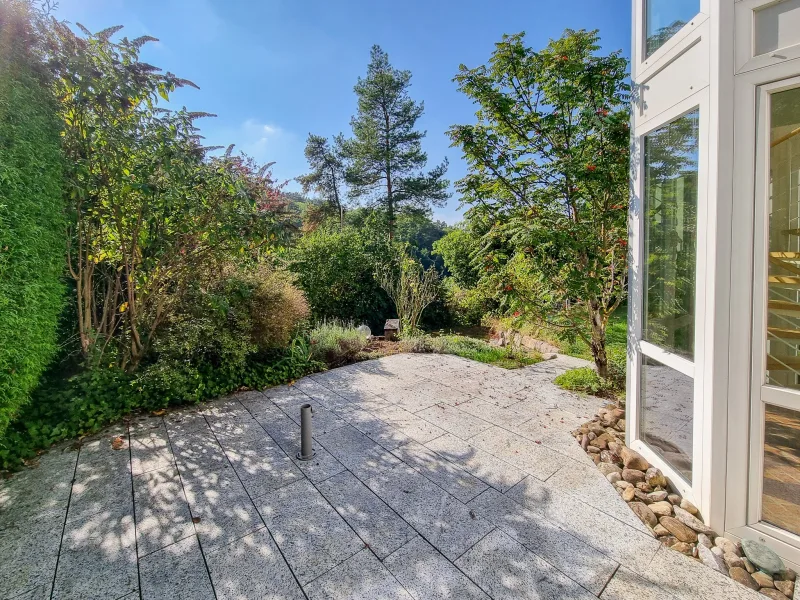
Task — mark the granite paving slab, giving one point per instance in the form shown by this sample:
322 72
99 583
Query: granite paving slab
361 577
435 477
436 515
449 476
376 524
527 455
570 555
162 512
310 533
177 572
252 567
488 468
505 569
428 575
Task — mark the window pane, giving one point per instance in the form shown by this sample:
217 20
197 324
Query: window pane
780 504
665 18
667 414
670 204
783 316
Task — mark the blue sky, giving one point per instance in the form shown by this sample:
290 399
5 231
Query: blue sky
275 70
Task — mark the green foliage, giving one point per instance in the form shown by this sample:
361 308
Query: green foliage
327 174
470 348
460 250
411 288
148 209
336 343
385 156
548 173
336 270
95 398
584 380
31 212
466 306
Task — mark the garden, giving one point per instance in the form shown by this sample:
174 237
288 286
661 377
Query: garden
141 269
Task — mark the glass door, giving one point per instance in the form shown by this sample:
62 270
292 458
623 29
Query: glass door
774 496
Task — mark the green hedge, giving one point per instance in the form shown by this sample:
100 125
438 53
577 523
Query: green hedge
32 228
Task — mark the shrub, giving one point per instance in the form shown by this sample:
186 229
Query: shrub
617 365
584 380
336 270
276 307
32 238
337 343
471 348
467 306
83 404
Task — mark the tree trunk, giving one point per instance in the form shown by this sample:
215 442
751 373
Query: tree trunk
598 345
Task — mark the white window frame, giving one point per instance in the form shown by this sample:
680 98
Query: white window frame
747 352
637 347
645 67
746 59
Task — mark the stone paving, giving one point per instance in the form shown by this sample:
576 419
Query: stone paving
434 477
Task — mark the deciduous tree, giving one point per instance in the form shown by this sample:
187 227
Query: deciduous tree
548 166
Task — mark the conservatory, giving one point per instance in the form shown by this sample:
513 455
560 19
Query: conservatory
714 310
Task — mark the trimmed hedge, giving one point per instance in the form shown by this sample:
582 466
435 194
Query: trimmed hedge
32 226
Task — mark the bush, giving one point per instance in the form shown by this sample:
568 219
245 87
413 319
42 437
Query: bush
335 269
337 343
32 227
467 306
471 348
584 380
83 404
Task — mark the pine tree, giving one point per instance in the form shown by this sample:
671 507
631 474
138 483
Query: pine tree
385 156
327 171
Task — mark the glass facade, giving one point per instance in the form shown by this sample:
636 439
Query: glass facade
670 236
664 19
783 277
780 502
667 414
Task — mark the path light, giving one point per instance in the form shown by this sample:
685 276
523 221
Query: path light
306 449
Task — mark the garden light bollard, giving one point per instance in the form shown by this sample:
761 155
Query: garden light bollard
306 448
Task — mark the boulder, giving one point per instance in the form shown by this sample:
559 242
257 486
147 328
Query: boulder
615 447
662 509
763 580
606 468
642 497
655 477
741 576
691 521
620 426
644 486
633 460
727 546
689 507
658 496
683 548
678 529
734 561
660 531
785 587
623 484
674 498
613 477
704 539
644 513
762 557
750 567
632 475
609 457
772 593
628 494
711 560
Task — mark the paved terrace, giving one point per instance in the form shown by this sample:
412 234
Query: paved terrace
435 477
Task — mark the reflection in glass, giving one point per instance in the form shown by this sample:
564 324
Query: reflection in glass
780 505
667 414
665 18
783 317
670 236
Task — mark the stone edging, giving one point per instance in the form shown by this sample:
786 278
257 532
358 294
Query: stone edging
675 521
